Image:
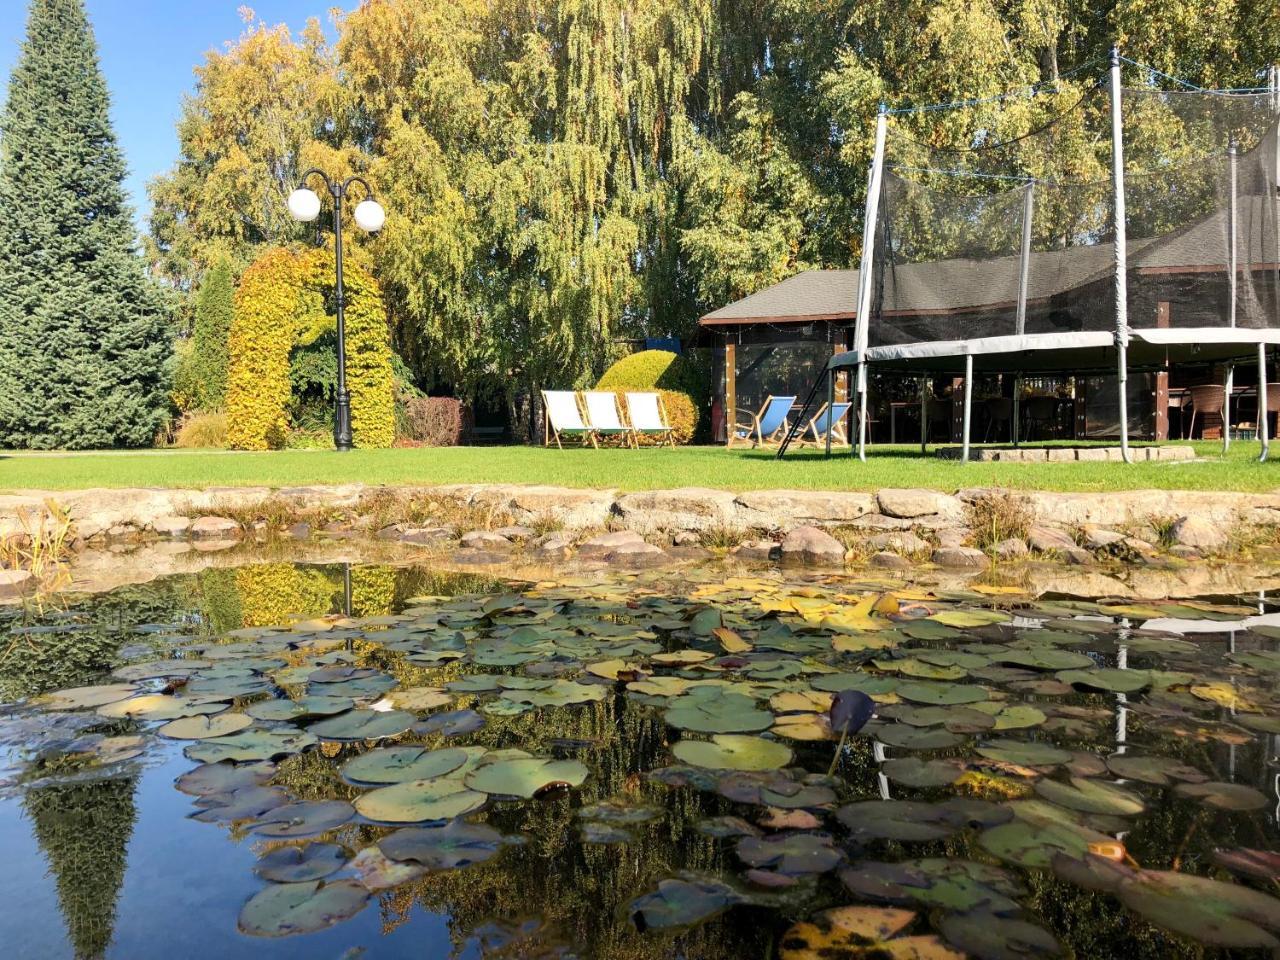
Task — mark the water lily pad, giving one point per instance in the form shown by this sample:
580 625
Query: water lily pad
251 744
419 801
861 933
726 713
388 765
901 820
457 723
948 884
304 819
1034 845
1028 754
524 776
157 706
315 861
1108 679
1224 796
682 903
1247 862
454 845
204 727
1045 658
1209 911
991 937
214 778
914 772
791 854
915 738
286 909
303 708
377 872
1091 796
358 725
731 752
941 693
81 698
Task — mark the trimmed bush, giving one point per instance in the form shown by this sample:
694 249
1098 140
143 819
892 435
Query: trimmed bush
202 430
671 375
435 421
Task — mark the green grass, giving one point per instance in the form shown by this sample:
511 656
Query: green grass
900 466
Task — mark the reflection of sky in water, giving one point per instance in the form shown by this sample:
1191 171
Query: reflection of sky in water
183 888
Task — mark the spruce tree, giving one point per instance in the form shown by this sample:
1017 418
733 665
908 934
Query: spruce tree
215 306
84 346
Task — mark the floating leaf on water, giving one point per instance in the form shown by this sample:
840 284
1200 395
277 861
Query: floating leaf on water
682 903
969 619
723 827
791 854
1224 796
803 726
214 778
524 776
1045 658
388 765
949 884
1246 862
420 801
1108 679
304 819
456 723
303 708
1208 911
914 772
377 872
356 725
205 728
454 845
1091 796
1033 845
941 693
727 713
987 936
1024 754
286 909
732 752
315 861
914 738
157 706
251 744
1160 771
851 933
1224 695
901 820
81 698
872 686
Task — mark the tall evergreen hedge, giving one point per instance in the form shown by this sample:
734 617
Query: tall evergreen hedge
83 339
215 307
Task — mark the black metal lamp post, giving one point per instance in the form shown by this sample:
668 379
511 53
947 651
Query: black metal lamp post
304 206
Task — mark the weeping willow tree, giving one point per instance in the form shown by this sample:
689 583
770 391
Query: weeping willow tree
561 174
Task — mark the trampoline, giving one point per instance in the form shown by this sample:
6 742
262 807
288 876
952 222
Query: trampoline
991 259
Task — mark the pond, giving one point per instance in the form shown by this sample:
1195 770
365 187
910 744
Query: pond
287 761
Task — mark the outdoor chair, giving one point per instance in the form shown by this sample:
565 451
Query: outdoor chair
606 416
830 418
999 418
563 418
768 426
1206 401
1042 412
648 417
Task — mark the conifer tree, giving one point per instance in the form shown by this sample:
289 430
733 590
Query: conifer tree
83 340
215 307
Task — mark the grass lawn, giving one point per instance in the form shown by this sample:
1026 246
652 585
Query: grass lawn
647 469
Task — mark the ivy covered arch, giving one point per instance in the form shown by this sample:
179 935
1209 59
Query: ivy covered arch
284 302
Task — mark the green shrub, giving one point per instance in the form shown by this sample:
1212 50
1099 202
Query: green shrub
202 430
673 376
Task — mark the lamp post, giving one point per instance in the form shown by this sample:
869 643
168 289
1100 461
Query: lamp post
304 207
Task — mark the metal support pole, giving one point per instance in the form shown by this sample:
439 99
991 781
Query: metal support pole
1227 383
1024 272
1233 285
831 401
924 414
968 406
1121 255
1263 426
861 337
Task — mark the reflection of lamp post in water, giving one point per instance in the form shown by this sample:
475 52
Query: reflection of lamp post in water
304 206
346 599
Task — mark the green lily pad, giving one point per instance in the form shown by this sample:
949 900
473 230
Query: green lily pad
157 706
454 845
456 723
914 772
1209 911
947 884
732 752
1091 796
682 903
524 776
251 745
941 693
1108 679
1033 845
358 725
725 713
315 861
303 708
982 933
388 765
287 909
1224 796
1045 658
81 698
419 801
377 872
204 727
304 819
211 779
1161 771
1028 754
902 820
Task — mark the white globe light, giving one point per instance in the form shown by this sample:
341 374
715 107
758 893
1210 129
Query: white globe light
370 216
304 205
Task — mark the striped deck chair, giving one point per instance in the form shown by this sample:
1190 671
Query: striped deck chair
562 417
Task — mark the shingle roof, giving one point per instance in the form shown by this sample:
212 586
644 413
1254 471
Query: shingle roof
806 297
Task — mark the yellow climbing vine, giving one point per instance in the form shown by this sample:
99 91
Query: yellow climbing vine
281 304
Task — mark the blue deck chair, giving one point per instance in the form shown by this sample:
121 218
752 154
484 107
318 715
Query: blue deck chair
768 426
830 417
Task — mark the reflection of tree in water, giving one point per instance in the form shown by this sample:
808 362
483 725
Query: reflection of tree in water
83 830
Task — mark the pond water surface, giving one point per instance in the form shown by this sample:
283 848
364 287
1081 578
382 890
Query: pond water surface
280 761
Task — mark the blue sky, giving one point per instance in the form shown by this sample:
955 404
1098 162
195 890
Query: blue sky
148 49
